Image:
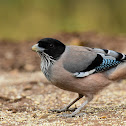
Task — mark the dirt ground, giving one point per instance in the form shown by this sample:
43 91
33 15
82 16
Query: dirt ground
26 95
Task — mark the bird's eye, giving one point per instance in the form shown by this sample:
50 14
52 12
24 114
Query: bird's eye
51 45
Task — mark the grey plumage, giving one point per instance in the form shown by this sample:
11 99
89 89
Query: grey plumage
111 54
79 69
76 61
84 56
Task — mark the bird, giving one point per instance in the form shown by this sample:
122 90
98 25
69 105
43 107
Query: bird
79 69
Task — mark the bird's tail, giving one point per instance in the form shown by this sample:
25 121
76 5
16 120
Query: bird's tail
119 72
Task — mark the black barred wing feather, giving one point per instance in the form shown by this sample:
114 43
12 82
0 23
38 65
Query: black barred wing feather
107 64
104 66
111 54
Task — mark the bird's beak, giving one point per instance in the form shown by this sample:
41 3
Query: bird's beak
37 48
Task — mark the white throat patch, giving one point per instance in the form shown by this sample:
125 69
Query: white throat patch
46 62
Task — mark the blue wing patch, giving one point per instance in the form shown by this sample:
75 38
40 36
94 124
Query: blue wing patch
107 64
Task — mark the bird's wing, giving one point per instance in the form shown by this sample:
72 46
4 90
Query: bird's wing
110 54
83 61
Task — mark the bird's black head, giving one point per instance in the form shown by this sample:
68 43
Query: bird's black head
50 46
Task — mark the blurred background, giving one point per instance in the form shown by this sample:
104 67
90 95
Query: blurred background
93 23
23 20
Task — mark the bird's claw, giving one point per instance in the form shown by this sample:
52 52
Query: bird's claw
62 110
66 115
71 115
57 110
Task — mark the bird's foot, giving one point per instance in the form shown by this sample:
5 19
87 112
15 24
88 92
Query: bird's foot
71 115
62 110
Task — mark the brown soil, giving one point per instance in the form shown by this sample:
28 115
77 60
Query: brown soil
26 96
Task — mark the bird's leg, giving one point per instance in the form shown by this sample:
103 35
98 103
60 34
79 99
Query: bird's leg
68 106
78 109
